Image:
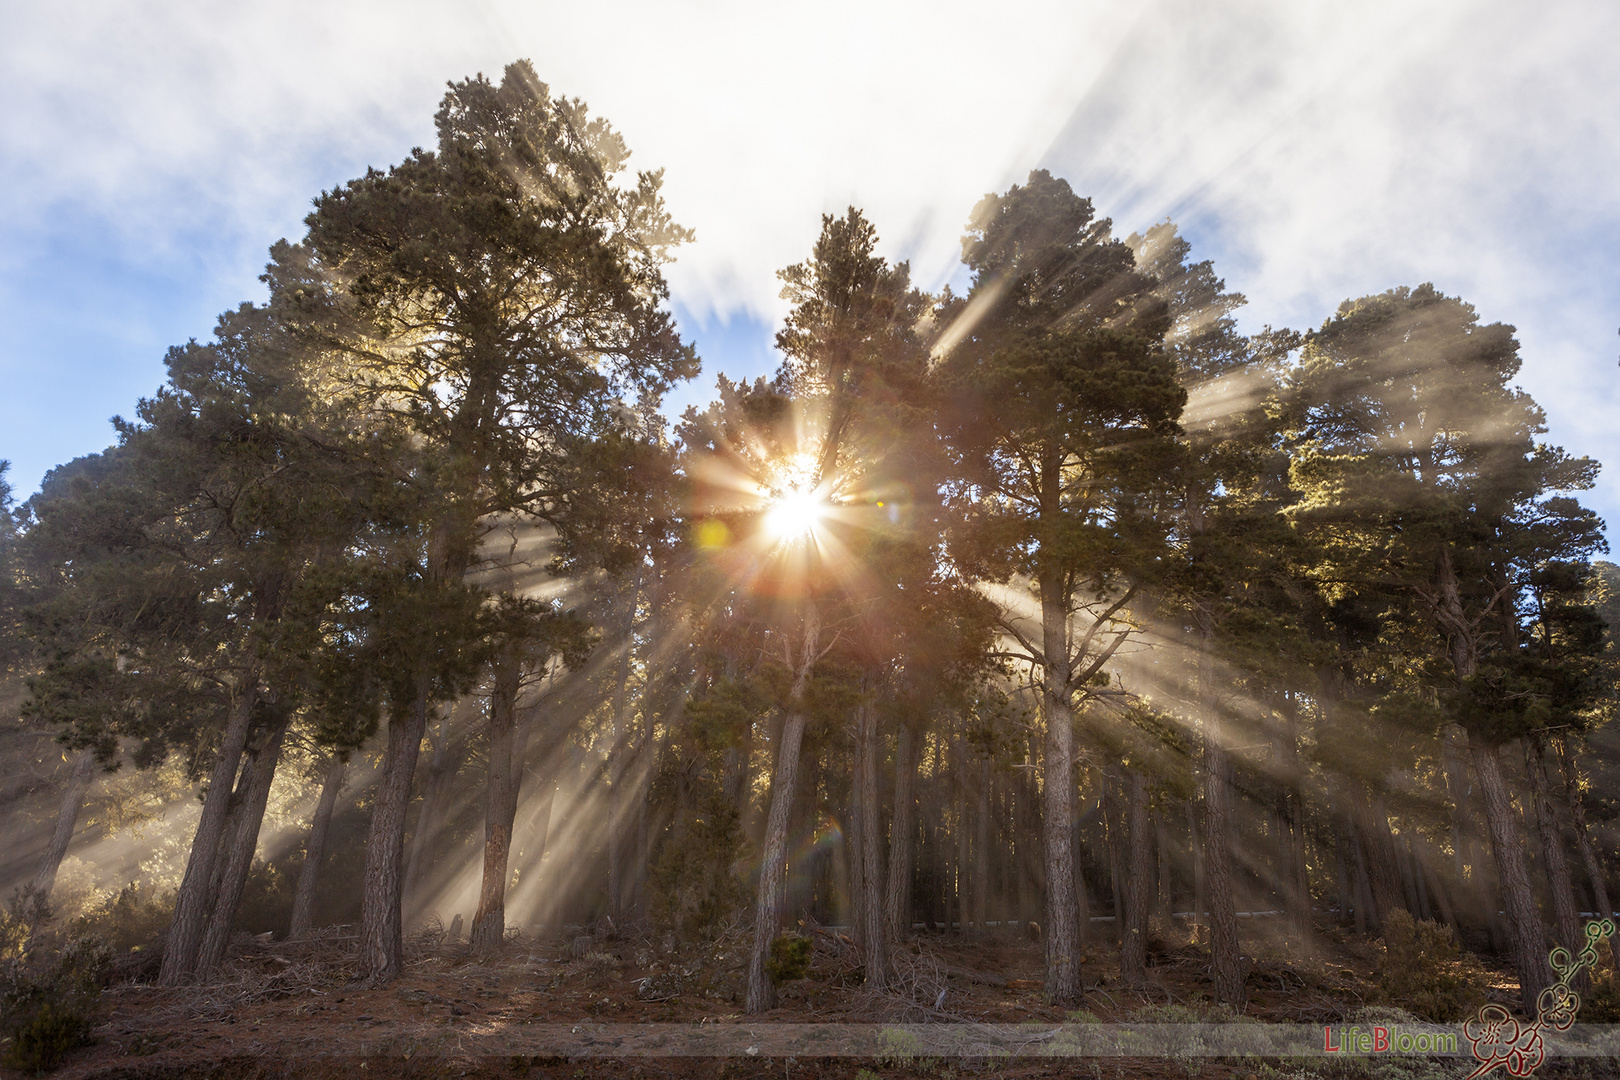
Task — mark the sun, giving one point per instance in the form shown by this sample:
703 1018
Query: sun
794 514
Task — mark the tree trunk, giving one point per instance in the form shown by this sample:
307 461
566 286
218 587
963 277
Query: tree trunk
1297 887
1437 891
1453 743
303 911
1583 841
1164 901
869 904
619 810
240 847
488 933
1225 959
1341 875
449 750
1570 932
194 902
1064 984
897 894
1195 844
1507 844
382 935
1113 832
981 848
761 993
1134 922
79 779
1382 862
964 873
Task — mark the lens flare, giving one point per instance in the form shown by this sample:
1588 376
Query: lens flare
794 514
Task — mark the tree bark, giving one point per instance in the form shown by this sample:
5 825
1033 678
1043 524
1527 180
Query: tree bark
1134 922
303 910
194 902
1507 844
488 934
382 935
241 845
761 993
981 848
1225 959
897 894
964 872
1195 843
1551 837
619 814
1382 862
1297 887
869 905
1064 983
1437 891
449 750
79 779
1114 831
1583 841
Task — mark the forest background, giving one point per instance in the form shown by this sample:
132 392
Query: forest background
1301 619
402 597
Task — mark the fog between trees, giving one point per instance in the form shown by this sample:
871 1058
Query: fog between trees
999 613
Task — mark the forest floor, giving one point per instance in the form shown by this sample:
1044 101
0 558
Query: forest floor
570 1006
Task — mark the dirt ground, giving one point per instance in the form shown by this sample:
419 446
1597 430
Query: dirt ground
563 1006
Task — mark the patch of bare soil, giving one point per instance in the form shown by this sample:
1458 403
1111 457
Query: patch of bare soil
554 1008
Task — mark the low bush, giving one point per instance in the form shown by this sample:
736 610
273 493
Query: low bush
48 987
1425 972
790 958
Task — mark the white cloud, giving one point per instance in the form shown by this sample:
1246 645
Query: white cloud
1318 151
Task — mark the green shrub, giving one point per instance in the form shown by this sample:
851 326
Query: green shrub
130 919
696 893
790 958
48 997
40 1042
1425 972
1600 999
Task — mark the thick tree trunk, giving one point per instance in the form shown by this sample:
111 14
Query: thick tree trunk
1565 920
897 893
869 903
79 779
1583 841
382 935
241 844
1134 923
761 993
1507 844
1064 984
194 901
303 910
488 933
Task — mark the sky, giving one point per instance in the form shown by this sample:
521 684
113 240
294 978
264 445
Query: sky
151 152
